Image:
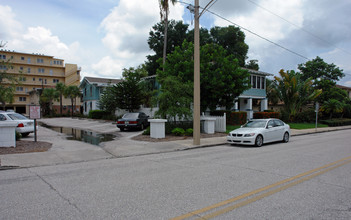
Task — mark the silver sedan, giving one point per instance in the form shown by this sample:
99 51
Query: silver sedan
260 131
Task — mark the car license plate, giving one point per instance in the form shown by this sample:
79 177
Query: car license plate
126 122
30 123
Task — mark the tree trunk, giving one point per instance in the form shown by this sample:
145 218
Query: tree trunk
165 40
72 106
61 104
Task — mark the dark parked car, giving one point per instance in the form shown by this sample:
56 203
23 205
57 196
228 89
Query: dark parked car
138 120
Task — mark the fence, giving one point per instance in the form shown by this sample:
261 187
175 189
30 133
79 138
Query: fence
220 124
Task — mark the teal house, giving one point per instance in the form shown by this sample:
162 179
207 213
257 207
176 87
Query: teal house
254 99
92 88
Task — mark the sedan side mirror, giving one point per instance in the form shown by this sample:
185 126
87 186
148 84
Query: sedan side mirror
269 126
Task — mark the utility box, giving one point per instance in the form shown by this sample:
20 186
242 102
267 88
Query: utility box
157 128
8 133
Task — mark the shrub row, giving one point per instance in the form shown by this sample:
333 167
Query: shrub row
259 115
232 118
336 122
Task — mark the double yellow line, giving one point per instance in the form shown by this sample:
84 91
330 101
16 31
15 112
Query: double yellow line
226 206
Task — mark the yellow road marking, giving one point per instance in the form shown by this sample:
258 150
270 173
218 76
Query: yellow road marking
226 202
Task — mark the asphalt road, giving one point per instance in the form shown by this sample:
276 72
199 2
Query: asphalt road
307 178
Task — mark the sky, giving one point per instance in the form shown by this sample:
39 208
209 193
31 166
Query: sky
106 36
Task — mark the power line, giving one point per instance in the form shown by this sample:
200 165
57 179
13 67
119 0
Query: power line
301 28
251 32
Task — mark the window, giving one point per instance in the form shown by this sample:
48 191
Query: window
263 82
45 81
3 67
33 78
21 68
51 72
91 91
254 82
22 58
55 80
40 60
22 79
258 82
28 70
40 79
41 70
19 89
22 99
28 60
3 57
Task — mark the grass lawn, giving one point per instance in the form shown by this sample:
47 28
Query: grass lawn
292 126
306 125
231 127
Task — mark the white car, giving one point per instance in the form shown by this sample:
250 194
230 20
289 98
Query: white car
260 131
25 125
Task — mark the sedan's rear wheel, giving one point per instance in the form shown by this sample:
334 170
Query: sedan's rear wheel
142 126
286 137
122 129
25 134
259 141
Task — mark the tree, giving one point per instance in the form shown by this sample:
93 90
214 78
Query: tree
231 39
107 100
176 32
72 92
332 106
272 92
294 92
164 11
6 95
7 82
47 98
221 78
60 88
252 65
324 76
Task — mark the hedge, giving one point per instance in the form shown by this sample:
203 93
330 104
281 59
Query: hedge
98 114
259 115
232 118
336 122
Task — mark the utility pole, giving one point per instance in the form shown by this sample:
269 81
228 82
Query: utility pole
196 109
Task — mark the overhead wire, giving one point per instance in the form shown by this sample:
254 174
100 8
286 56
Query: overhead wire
299 27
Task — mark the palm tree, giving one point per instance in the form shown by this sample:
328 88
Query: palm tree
294 92
60 88
332 106
48 96
164 11
72 92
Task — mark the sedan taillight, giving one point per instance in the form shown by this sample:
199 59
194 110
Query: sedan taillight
20 125
120 122
133 122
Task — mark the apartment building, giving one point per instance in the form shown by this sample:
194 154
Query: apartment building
36 72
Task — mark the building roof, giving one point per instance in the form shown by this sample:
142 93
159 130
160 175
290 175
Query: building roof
344 87
258 72
101 81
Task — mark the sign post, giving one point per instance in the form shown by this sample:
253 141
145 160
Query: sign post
34 113
317 110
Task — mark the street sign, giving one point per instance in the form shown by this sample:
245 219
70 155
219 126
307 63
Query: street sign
34 112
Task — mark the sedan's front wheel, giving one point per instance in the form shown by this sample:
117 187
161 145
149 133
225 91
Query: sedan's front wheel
286 137
259 141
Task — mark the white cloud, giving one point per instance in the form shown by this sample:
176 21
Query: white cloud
9 26
127 29
108 67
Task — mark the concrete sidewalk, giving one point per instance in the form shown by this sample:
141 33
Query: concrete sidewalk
70 151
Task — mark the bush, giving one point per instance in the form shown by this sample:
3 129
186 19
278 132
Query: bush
18 136
189 132
308 115
259 115
147 131
170 125
178 131
336 122
98 114
237 118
